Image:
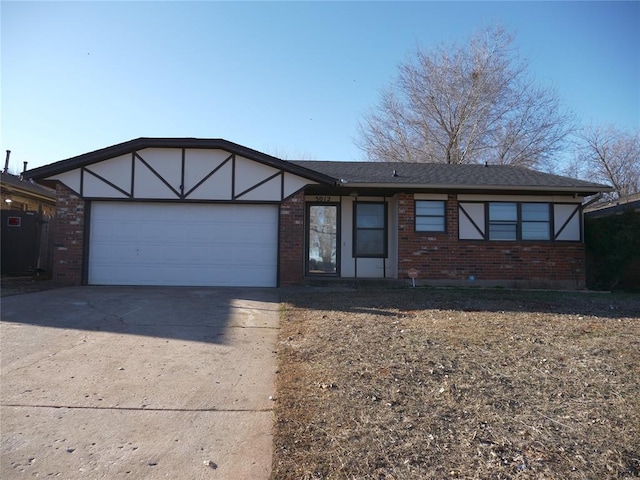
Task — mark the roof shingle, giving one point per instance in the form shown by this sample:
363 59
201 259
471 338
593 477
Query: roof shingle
18 182
446 175
424 176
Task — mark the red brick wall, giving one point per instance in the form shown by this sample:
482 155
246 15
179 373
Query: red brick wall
436 256
68 237
291 235
442 257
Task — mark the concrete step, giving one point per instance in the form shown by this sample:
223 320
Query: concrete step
352 282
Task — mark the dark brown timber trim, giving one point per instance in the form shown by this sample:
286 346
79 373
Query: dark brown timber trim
157 175
208 176
112 185
268 179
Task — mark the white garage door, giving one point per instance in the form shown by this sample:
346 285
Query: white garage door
183 244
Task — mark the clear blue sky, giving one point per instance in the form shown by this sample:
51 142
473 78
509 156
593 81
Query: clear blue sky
287 78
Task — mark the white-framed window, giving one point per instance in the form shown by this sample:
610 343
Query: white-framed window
430 216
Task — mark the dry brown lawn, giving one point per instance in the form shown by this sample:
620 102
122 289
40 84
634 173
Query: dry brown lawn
437 384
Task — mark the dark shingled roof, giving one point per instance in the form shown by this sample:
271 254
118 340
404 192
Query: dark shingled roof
9 180
41 173
378 175
446 175
613 207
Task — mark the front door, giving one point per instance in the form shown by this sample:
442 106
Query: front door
323 242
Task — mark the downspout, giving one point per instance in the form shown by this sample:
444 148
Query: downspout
384 259
583 206
355 260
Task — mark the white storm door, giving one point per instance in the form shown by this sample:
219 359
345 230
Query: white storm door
138 243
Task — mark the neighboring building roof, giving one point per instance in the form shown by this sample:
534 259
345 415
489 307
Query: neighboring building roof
622 204
447 176
19 183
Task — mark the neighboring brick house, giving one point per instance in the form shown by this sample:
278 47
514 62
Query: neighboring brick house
27 210
23 195
184 211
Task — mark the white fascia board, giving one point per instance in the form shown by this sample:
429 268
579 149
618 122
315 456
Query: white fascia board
430 196
414 186
479 197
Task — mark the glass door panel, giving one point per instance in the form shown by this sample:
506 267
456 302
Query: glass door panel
322 239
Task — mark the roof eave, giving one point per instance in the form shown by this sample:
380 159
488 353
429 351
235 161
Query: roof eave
578 190
29 193
141 143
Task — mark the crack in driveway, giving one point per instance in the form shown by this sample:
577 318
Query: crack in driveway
46 356
109 315
131 351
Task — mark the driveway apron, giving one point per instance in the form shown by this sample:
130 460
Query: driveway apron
138 382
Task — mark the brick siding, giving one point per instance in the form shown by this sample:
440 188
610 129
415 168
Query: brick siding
68 237
444 258
291 238
439 257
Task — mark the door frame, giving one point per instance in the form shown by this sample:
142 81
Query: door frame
307 218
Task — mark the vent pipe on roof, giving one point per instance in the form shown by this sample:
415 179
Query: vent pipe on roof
6 162
24 166
395 174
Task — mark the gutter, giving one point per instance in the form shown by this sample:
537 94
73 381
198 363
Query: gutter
412 186
28 193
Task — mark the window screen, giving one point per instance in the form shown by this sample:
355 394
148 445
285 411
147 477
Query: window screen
370 236
536 222
430 216
503 221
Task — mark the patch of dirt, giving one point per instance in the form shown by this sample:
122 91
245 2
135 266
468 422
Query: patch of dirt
19 285
434 384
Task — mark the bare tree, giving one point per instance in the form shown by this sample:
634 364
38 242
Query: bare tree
284 154
610 155
469 103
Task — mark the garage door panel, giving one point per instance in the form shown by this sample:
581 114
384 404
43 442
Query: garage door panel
183 244
194 276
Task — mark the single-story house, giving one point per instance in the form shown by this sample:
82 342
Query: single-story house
187 211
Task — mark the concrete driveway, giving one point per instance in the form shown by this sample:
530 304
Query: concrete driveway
138 382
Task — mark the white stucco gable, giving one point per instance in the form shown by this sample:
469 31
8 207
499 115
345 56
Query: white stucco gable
182 174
